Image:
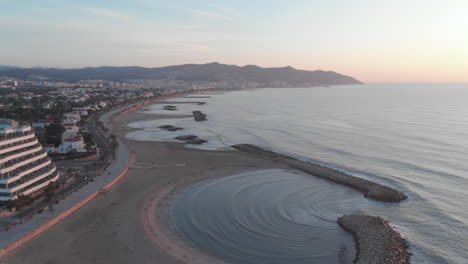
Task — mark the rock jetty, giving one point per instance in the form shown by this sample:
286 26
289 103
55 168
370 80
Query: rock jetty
197 141
199 116
191 139
186 137
170 107
376 241
170 128
370 189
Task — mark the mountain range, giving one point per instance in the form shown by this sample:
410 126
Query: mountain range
187 72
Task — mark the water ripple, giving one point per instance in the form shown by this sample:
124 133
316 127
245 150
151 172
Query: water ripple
266 216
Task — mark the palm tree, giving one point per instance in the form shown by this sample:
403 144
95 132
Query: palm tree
49 194
20 202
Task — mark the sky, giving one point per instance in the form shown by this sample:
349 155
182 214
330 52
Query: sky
371 40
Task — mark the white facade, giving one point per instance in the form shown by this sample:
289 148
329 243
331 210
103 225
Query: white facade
74 144
72 115
69 120
82 111
70 132
42 123
24 164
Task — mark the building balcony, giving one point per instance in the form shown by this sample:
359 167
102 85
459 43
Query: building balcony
8 139
38 184
14 175
13 146
24 160
29 188
30 178
18 154
12 131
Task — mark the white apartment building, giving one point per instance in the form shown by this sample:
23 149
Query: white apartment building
25 167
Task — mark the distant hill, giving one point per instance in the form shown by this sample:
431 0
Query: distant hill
188 72
6 67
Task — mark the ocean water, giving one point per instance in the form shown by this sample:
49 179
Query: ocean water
412 137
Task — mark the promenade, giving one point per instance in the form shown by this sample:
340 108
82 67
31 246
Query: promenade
33 222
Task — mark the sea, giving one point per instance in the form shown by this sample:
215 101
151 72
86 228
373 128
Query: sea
411 137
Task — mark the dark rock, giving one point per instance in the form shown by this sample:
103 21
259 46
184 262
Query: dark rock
186 137
170 107
199 116
170 128
376 241
197 141
174 129
369 189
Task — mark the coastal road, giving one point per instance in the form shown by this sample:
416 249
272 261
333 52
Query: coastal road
110 229
99 138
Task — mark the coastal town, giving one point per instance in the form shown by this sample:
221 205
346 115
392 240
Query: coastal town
61 119
58 151
53 142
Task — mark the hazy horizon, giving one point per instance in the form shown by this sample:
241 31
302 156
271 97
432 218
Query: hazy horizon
397 41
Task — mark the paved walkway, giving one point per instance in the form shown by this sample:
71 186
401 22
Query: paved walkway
120 163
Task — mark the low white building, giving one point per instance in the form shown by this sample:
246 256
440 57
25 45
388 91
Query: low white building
71 129
69 120
42 123
83 111
102 105
73 144
49 148
72 115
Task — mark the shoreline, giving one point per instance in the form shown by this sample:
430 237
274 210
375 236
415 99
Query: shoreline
393 248
180 247
126 211
157 228
111 228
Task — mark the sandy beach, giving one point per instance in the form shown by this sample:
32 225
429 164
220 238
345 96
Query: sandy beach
124 224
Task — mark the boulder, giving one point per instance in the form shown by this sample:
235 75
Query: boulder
197 141
376 241
186 137
199 116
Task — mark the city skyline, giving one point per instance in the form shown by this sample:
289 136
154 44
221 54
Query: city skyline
396 41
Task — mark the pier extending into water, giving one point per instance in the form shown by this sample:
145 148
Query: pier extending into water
376 241
370 189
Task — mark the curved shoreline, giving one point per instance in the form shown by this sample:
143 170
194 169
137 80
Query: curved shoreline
151 217
376 241
180 248
389 241
369 189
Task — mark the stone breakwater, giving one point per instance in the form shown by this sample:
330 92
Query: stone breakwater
170 107
170 128
199 116
376 241
191 139
370 189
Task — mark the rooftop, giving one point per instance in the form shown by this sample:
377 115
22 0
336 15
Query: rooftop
45 121
8 123
74 139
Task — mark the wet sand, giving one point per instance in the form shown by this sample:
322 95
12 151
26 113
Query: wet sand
115 227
